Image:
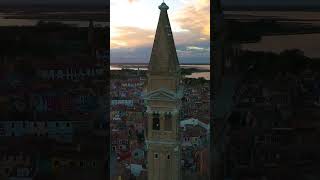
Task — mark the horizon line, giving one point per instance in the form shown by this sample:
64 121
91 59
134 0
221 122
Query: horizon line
148 63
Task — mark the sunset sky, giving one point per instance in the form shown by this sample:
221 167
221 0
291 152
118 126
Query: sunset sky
133 24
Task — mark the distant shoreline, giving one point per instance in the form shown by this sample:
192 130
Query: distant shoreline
136 66
147 64
192 71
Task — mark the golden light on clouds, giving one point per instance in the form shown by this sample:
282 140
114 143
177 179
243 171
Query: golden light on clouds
206 29
131 1
133 22
195 17
131 37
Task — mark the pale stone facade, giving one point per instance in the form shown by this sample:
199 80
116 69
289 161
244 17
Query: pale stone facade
163 94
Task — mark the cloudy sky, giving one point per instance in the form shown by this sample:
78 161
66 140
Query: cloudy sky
231 2
133 24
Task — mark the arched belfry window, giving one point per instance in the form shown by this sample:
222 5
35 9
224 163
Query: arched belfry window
168 121
156 121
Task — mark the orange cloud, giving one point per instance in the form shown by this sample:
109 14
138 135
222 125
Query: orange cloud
131 1
132 37
195 17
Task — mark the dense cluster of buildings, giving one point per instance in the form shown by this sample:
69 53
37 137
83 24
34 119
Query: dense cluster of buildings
128 121
195 128
53 107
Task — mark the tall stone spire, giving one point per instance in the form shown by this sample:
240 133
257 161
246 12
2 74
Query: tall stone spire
163 102
164 57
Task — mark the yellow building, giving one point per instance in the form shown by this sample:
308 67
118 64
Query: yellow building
163 100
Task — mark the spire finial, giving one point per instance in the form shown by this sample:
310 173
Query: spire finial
163 6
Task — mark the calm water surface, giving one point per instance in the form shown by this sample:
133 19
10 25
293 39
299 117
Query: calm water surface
205 75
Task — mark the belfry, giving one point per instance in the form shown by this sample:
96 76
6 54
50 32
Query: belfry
163 101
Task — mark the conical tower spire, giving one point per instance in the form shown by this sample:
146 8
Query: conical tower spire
164 57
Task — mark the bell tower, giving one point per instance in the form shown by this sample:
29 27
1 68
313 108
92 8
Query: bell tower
163 100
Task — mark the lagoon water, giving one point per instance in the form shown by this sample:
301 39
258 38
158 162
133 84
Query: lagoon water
142 67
